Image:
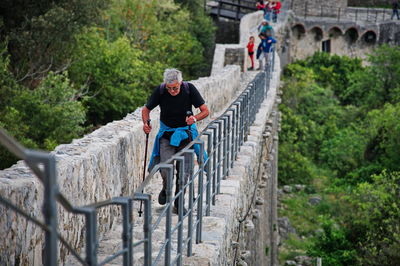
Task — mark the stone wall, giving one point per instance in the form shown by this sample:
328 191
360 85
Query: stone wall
315 7
346 38
369 3
101 165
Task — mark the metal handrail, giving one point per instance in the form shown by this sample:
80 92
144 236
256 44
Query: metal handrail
308 10
221 139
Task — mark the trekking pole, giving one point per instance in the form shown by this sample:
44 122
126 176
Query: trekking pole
144 167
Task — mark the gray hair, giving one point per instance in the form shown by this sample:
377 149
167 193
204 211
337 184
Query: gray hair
171 75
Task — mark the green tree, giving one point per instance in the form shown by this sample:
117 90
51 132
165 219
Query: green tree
41 33
333 71
383 129
117 78
344 152
374 220
333 246
379 83
45 117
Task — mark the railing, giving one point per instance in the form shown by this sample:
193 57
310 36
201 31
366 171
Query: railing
221 139
232 5
310 10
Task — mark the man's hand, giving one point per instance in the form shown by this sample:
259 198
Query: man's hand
146 128
190 120
146 120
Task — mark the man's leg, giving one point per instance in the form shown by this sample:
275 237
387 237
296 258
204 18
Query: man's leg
260 61
187 171
274 17
166 152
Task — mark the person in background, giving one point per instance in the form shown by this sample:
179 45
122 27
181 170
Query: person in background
264 48
268 10
395 9
260 5
266 28
175 99
250 51
276 10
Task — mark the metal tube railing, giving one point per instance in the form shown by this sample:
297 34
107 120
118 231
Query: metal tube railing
338 13
223 138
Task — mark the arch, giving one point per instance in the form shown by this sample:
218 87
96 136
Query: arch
299 31
335 32
317 32
351 35
369 37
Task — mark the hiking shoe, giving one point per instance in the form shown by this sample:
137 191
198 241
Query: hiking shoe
175 210
162 197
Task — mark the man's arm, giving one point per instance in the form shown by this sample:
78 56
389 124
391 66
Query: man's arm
200 116
145 118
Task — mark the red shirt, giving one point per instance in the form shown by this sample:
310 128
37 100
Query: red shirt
260 6
250 47
277 7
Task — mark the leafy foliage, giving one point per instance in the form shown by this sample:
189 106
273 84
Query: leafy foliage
343 119
383 73
118 80
43 118
40 33
332 246
374 221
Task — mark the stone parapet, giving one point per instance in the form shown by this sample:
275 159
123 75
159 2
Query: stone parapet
104 164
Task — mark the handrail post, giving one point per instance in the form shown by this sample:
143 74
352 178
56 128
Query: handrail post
225 147
190 207
181 201
237 133
233 136
168 221
219 9
208 172
214 162
200 193
238 10
49 203
91 240
127 231
147 227
219 155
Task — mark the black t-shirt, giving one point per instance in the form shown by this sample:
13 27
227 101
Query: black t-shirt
174 108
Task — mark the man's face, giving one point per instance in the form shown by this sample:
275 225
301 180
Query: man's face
173 88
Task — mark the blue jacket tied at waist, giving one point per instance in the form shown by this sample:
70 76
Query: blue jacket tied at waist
180 133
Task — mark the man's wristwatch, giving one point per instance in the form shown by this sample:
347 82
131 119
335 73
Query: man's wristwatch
194 118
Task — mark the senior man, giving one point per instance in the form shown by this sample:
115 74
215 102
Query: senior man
175 99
